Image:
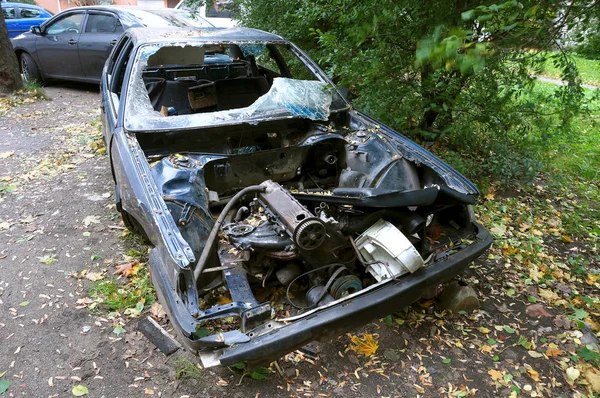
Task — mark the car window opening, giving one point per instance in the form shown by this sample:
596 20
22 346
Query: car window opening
225 83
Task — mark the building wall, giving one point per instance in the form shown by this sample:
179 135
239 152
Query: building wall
59 5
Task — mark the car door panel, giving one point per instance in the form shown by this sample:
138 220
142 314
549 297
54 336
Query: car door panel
12 23
57 49
102 30
30 16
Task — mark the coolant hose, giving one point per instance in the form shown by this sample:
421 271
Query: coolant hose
201 264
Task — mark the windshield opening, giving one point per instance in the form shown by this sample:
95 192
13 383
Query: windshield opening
186 85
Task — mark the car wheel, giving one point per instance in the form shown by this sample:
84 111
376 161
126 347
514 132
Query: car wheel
128 220
29 69
133 225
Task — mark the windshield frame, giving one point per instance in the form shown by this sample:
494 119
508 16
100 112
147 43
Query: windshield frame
161 123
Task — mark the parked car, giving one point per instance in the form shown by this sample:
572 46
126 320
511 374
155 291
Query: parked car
75 43
217 12
21 17
278 213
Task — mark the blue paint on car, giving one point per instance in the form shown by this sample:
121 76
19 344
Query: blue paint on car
21 17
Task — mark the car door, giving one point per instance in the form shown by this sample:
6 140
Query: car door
10 16
111 86
102 30
30 16
56 48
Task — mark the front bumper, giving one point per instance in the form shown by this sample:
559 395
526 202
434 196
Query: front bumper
336 320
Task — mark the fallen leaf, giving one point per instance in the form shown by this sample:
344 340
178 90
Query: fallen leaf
562 321
80 390
222 383
28 219
591 278
24 304
572 374
495 375
127 269
419 389
4 384
94 276
553 352
502 308
535 354
567 239
148 391
366 345
593 377
91 220
535 376
136 311
157 310
498 230
537 311
119 330
7 154
47 259
548 294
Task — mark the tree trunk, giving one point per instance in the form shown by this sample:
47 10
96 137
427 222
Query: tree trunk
10 76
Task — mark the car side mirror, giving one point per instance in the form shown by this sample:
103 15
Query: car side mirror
36 30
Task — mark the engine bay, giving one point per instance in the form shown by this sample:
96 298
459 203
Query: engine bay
331 212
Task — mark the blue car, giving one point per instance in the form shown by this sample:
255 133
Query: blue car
21 17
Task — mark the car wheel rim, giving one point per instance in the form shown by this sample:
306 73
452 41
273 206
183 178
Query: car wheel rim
24 69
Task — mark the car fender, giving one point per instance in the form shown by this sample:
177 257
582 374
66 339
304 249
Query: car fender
139 197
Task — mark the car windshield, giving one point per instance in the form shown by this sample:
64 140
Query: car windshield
187 85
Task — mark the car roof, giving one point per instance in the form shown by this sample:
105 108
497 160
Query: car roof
167 35
127 9
15 4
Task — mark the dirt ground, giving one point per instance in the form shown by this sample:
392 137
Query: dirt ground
58 220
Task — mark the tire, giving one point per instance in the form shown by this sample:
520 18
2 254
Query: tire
134 226
128 220
29 69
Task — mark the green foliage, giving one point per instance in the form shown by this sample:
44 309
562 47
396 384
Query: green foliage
186 369
591 48
34 89
5 188
589 355
589 69
453 72
25 1
253 373
112 296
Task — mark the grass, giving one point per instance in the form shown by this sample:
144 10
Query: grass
186 369
589 69
113 294
35 90
31 92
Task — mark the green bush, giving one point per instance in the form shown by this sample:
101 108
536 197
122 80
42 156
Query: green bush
457 73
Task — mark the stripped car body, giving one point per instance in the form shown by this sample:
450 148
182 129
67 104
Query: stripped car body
327 219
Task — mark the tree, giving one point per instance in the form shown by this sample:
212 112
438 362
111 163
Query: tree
454 71
10 76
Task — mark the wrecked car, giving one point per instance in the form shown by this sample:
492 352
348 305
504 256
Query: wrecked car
279 214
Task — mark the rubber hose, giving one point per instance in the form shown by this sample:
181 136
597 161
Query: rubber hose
201 264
